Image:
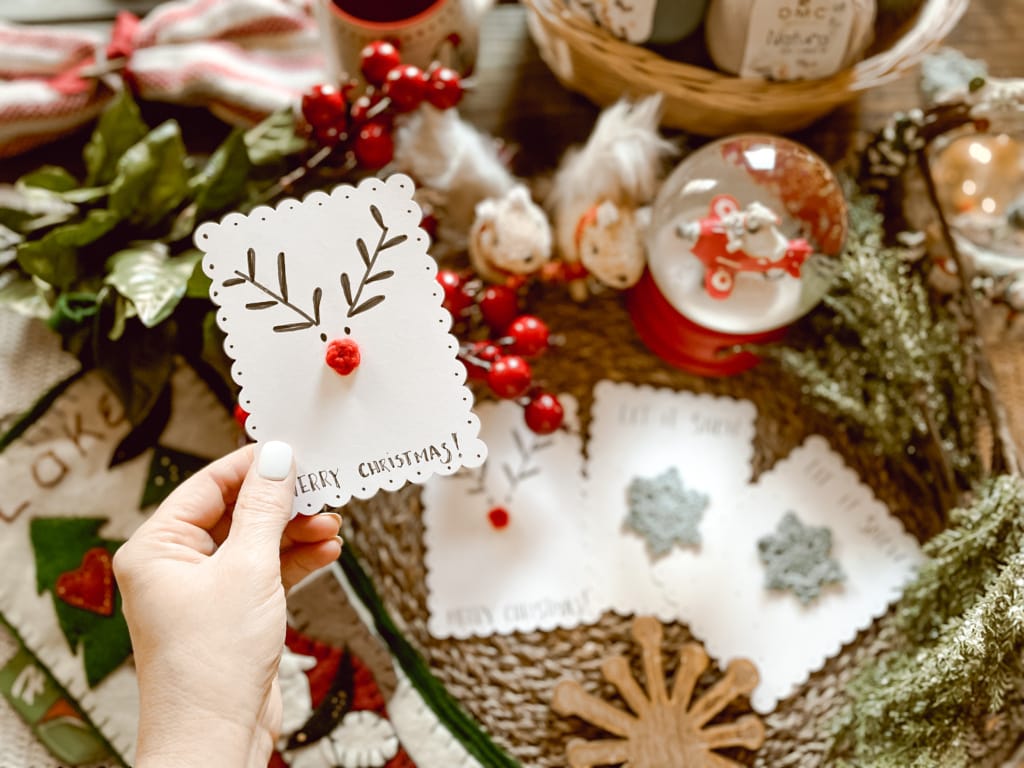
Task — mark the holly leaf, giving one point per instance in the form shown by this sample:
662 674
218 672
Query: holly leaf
273 139
50 177
53 257
198 286
59 544
222 181
25 298
119 128
151 280
151 177
137 366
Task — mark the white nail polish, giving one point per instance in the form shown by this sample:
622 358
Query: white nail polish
275 462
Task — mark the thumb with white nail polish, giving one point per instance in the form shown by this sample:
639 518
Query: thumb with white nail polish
264 504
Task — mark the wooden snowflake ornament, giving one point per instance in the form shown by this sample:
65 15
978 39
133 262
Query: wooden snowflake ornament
664 731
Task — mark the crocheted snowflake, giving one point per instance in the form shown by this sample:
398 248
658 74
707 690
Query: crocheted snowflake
797 558
664 730
664 513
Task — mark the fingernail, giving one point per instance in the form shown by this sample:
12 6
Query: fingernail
341 542
335 515
275 462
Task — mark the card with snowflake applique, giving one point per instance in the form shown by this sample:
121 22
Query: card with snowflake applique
805 559
661 465
341 346
504 543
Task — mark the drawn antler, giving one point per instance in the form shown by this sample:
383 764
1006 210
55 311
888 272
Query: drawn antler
369 262
278 298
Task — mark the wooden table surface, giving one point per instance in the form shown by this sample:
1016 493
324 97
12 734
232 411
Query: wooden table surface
517 98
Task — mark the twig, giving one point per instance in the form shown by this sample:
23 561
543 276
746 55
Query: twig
280 298
292 177
1005 457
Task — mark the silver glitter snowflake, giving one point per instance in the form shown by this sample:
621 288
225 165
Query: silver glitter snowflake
664 512
797 558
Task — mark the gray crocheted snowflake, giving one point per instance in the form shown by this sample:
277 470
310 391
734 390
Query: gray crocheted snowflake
663 512
797 558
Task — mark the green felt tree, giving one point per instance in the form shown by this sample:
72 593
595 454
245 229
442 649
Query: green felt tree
73 565
958 655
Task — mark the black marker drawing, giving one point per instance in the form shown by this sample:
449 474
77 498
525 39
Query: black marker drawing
369 262
514 476
279 298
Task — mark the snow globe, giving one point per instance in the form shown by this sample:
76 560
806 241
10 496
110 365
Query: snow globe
979 179
738 248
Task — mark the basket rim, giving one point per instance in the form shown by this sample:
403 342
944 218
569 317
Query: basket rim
922 32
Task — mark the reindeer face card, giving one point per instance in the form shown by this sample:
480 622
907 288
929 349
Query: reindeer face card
340 344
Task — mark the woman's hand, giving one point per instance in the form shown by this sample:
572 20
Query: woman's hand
203 586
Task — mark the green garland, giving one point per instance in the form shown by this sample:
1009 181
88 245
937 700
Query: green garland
957 661
107 260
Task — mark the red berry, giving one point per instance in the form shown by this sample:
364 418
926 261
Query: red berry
499 306
324 106
361 107
498 518
343 356
456 300
509 376
327 137
481 351
406 86
444 88
544 414
374 146
241 415
528 334
377 59
429 225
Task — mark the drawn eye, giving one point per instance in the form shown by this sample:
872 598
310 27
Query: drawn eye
528 259
594 250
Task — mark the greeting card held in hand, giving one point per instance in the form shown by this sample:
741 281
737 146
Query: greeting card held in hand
341 346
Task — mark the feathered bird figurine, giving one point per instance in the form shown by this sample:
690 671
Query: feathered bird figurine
480 205
599 193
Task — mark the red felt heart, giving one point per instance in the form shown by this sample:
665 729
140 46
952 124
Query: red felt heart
91 585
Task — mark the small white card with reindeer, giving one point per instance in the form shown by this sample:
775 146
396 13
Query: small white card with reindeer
663 467
505 542
340 344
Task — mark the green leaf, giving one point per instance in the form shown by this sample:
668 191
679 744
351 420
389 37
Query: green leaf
273 139
153 281
198 284
53 257
222 181
85 194
24 209
137 366
25 298
119 127
151 177
51 177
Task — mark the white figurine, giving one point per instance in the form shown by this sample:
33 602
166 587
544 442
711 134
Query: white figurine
599 189
510 236
462 176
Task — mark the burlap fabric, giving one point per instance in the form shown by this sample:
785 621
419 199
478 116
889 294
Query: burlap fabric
506 681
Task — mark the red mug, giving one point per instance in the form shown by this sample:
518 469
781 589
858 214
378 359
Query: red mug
425 31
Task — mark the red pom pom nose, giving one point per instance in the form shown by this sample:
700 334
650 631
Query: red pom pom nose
343 356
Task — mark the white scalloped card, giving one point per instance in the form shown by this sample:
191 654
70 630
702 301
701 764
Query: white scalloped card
637 435
736 616
505 547
340 344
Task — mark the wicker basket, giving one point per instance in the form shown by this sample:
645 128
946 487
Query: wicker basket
587 59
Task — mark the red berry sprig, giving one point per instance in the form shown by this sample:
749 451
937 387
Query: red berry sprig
360 125
501 360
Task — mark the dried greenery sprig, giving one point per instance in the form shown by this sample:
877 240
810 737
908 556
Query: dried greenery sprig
889 364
